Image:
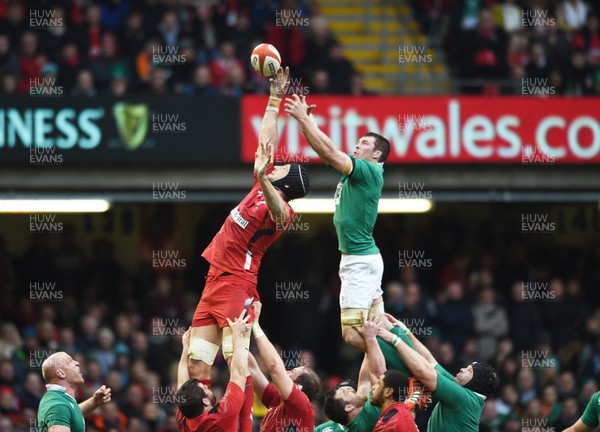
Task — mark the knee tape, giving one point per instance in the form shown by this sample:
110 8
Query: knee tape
352 316
228 342
202 350
376 310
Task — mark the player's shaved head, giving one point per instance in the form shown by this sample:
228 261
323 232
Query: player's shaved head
52 364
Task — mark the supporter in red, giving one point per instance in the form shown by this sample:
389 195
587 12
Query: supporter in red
30 63
220 66
289 398
395 414
197 407
90 33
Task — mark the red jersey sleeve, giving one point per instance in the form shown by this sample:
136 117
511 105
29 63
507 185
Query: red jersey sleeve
180 419
297 404
270 396
231 403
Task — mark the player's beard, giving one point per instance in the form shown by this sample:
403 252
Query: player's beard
359 401
376 400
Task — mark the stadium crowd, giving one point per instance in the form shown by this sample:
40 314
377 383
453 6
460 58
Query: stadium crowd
523 305
202 48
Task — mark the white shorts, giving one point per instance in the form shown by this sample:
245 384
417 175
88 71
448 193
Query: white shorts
361 280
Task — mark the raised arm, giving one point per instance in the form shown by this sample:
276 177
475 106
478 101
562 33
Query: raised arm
364 384
278 208
578 427
321 143
268 127
418 365
239 361
419 347
271 358
183 374
258 378
375 360
100 397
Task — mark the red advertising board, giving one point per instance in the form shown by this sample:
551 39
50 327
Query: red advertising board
443 129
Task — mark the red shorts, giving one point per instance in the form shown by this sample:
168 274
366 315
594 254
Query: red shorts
224 296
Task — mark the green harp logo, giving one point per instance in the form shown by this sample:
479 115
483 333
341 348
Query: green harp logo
132 123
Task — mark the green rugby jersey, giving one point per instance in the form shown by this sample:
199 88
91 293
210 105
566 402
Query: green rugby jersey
59 408
458 409
330 426
356 205
391 354
591 415
366 419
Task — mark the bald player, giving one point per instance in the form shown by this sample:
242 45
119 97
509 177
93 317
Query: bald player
58 410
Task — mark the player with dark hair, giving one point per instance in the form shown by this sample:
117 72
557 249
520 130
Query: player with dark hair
236 251
461 397
356 206
590 418
352 407
289 398
387 395
197 406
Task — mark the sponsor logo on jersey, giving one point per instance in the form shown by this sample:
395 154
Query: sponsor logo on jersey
237 217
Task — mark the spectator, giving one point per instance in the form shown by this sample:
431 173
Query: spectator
318 44
454 316
8 83
69 65
54 37
13 23
524 319
29 61
550 404
538 66
113 13
491 323
575 12
507 406
201 85
485 50
588 39
105 354
169 29
110 418
8 59
118 86
508 15
526 386
223 64
517 50
108 63
90 33
32 391
158 83
320 82
569 414
133 35
340 68
567 386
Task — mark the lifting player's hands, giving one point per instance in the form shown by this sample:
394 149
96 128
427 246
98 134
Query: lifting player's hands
297 107
257 306
262 157
240 325
368 329
280 83
102 396
185 339
390 321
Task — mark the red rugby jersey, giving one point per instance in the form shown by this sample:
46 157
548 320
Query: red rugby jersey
397 418
294 413
224 417
246 235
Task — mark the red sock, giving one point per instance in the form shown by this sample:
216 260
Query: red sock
206 382
246 412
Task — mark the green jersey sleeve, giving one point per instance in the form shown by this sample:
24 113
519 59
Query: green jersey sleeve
366 420
591 415
363 172
330 426
391 355
444 372
450 393
57 414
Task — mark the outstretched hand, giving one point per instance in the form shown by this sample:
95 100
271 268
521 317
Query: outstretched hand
262 157
280 83
240 325
297 107
368 329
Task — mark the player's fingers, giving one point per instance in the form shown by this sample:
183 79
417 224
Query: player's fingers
241 317
229 322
